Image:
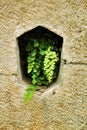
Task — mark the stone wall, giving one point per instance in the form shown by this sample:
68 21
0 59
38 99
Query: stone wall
62 106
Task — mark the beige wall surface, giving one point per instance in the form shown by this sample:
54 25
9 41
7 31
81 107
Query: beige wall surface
62 106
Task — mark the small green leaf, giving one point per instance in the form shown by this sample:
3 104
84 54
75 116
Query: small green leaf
36 44
28 96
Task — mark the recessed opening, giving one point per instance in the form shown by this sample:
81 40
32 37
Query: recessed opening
37 34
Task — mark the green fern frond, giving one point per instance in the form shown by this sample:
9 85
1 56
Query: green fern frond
42 59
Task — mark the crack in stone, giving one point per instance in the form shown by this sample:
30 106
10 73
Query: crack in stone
8 74
73 63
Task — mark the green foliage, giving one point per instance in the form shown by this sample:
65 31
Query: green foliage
42 62
30 92
49 64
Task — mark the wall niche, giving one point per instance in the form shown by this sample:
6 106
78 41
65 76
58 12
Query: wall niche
45 39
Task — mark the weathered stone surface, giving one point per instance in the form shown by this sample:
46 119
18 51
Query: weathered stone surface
61 107
68 105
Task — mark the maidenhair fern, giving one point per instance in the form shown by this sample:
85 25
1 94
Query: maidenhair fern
49 64
42 61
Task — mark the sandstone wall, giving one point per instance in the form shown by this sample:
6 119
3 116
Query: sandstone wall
62 106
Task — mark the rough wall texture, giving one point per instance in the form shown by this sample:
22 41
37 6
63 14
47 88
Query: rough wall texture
61 107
